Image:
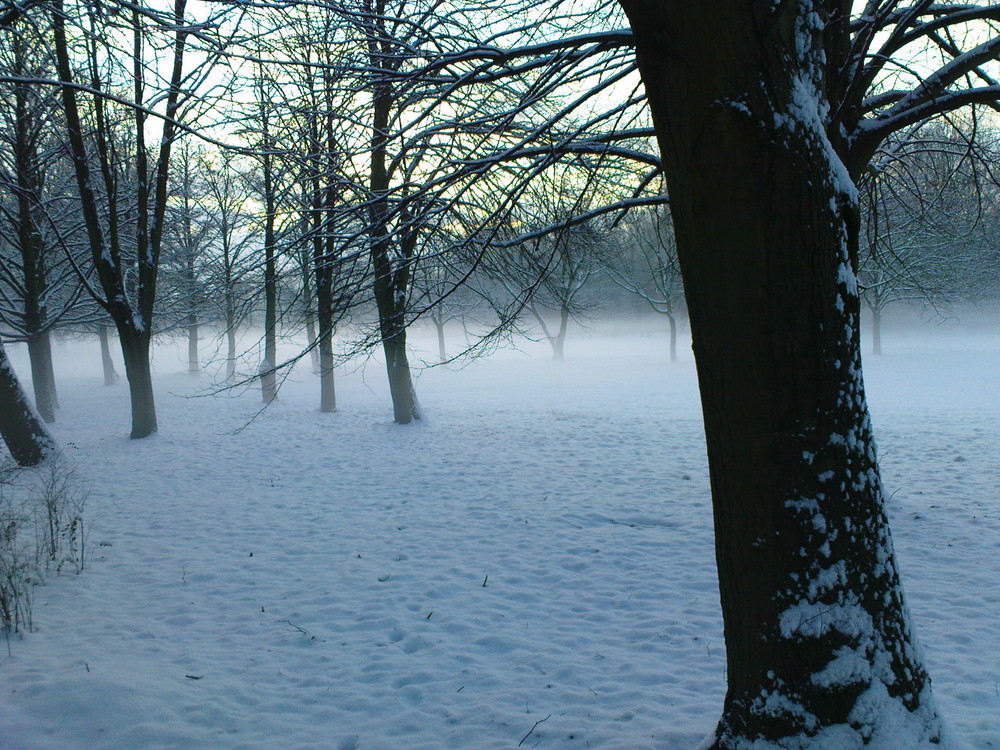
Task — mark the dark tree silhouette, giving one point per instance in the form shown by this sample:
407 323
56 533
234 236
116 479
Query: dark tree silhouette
765 114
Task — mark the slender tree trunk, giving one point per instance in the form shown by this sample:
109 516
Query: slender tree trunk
876 331
40 355
309 306
230 332
673 336
442 354
559 340
29 182
192 332
50 371
268 379
327 391
404 398
323 269
24 433
817 636
391 276
553 340
313 343
110 376
135 350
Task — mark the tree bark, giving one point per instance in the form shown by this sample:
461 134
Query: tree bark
135 351
818 639
24 433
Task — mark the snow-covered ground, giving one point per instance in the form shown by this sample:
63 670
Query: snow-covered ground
530 566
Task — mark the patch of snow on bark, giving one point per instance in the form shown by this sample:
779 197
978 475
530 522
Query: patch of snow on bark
814 619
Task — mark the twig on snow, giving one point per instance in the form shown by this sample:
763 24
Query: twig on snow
533 729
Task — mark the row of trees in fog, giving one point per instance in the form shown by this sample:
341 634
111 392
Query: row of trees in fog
332 165
376 163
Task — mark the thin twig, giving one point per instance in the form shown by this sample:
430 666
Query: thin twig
533 729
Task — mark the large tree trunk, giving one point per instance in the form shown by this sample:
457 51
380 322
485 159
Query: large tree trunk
135 351
24 433
818 640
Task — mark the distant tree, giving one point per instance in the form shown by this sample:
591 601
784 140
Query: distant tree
324 254
267 187
442 294
927 218
189 237
234 235
647 266
547 257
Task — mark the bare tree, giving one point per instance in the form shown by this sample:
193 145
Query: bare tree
38 285
130 307
234 234
766 113
926 222
647 266
189 237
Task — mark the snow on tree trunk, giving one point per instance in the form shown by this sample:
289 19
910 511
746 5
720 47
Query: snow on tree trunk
24 433
820 652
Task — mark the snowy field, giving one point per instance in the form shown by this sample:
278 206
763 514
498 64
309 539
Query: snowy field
531 566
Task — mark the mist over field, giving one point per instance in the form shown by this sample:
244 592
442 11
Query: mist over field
531 563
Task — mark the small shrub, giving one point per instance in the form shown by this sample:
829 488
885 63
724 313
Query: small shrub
41 528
